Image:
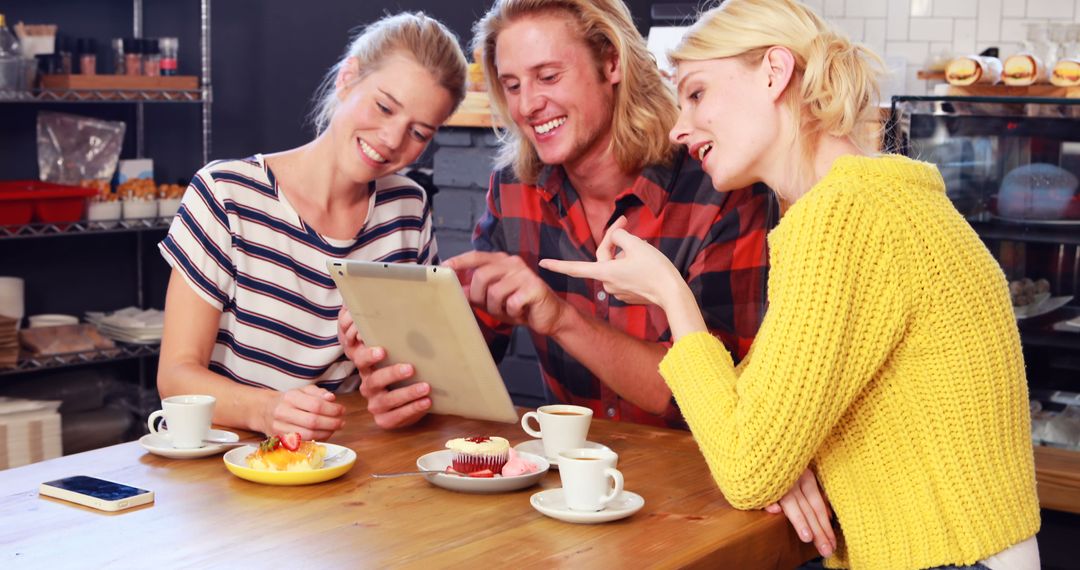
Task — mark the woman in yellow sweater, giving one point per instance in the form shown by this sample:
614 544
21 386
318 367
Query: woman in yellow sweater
889 360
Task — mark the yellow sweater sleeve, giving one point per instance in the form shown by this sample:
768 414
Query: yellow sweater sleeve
836 310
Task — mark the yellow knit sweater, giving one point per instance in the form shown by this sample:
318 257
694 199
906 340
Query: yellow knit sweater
889 358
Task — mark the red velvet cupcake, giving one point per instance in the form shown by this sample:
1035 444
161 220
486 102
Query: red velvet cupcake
472 454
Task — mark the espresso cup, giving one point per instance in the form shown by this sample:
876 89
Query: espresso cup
585 474
562 427
187 420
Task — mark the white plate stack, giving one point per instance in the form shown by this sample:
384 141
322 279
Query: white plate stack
131 324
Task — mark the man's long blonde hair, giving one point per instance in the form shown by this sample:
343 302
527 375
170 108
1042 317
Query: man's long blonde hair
834 89
645 108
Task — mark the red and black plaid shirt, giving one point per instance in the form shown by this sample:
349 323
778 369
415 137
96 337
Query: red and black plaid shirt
715 239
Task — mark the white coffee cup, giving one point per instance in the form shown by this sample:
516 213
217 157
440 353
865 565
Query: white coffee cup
187 419
585 474
562 427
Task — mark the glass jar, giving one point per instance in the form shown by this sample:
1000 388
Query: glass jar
87 49
1038 44
132 57
169 53
151 58
116 45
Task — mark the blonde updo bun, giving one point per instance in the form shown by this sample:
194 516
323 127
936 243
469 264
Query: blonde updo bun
834 87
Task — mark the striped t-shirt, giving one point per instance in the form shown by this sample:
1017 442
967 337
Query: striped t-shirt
242 247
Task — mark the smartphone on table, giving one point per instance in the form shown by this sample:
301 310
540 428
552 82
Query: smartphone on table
96 493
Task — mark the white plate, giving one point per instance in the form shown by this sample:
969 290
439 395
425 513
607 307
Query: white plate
536 447
552 503
159 444
440 460
1041 308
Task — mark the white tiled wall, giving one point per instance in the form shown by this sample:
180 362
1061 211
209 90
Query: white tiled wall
918 29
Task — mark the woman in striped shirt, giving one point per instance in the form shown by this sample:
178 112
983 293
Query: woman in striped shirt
251 312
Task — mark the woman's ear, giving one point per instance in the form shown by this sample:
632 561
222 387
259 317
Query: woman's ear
779 66
347 75
613 68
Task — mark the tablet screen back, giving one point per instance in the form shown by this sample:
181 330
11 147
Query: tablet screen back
419 314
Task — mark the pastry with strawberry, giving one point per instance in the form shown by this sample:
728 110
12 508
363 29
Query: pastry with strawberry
287 452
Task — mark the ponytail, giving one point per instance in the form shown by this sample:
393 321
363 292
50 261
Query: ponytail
839 90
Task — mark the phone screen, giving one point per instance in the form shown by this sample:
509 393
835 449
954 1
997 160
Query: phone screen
97 488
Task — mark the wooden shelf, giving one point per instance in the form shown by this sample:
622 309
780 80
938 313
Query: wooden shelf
475 111
1058 474
1041 90
120 82
927 75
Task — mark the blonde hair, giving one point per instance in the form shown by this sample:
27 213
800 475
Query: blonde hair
644 109
426 40
834 87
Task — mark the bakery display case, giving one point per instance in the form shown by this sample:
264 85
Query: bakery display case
1011 166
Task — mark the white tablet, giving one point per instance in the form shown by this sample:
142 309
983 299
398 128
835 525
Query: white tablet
419 314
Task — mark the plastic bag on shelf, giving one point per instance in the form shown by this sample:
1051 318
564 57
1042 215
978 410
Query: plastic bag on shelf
72 148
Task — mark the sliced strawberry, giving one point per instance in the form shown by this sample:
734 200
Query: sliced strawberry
485 473
291 441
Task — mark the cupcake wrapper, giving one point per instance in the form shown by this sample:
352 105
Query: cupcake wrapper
469 463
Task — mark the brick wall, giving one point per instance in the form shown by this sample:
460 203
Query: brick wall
462 163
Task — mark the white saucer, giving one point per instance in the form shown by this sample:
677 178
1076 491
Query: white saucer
536 447
159 444
440 460
553 504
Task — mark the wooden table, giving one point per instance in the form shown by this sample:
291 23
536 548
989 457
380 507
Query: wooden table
1058 474
206 517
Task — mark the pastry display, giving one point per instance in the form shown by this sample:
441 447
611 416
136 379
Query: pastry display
105 193
137 189
1066 73
1023 69
287 452
1027 292
170 191
974 69
477 454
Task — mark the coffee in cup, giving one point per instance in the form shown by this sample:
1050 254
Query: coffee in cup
562 427
187 420
585 475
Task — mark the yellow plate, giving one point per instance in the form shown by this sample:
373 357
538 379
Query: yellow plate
236 463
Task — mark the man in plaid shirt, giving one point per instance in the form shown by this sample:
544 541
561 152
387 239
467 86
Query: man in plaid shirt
587 144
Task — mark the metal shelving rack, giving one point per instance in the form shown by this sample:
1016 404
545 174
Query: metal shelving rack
204 97
28 363
84 227
105 96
